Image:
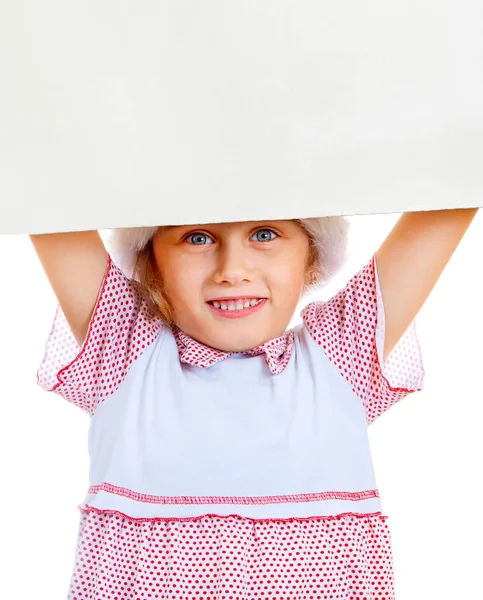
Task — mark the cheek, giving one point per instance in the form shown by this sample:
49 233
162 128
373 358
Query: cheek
293 267
291 278
183 281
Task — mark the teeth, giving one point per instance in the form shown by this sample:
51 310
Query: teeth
240 304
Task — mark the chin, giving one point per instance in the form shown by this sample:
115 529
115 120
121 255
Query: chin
229 339
244 345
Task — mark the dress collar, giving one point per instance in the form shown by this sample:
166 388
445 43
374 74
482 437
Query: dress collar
277 351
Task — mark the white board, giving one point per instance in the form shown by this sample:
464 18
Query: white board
117 113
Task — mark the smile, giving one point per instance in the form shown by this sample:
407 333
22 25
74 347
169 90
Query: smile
240 308
235 303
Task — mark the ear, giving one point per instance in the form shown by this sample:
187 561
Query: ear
311 271
310 276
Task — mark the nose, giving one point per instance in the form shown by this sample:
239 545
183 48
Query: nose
232 264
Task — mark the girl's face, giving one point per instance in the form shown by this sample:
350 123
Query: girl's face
233 265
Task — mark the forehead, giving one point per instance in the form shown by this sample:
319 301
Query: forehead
233 225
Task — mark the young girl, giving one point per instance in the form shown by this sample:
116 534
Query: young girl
229 455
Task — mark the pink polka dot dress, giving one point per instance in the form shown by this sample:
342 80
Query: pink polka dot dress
232 475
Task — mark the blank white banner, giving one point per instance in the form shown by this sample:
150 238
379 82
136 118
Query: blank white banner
117 113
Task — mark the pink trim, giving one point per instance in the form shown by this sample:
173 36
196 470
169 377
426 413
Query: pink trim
91 323
314 497
393 389
52 327
87 508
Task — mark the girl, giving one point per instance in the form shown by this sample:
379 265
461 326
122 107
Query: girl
229 455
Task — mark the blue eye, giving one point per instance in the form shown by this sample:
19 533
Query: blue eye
262 235
198 238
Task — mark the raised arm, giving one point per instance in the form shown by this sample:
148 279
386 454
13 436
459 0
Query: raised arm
75 264
411 260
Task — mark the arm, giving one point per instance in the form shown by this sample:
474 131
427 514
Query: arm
75 264
411 260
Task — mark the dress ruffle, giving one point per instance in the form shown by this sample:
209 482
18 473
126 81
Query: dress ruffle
345 557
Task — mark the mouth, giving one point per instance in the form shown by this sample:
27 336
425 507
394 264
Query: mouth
235 303
236 307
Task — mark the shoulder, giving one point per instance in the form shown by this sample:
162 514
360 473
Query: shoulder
352 307
121 328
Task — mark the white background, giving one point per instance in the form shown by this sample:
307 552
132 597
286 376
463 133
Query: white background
427 449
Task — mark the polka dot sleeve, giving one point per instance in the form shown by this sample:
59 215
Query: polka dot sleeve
350 328
121 327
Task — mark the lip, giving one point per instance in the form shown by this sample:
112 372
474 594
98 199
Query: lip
238 314
233 298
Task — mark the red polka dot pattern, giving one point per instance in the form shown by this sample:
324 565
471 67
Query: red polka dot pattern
277 351
347 328
343 557
232 558
120 330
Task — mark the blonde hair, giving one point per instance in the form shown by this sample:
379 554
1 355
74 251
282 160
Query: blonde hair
132 250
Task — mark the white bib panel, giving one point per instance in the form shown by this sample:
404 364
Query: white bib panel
177 440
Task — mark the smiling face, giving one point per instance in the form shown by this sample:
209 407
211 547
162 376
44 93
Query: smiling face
205 268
